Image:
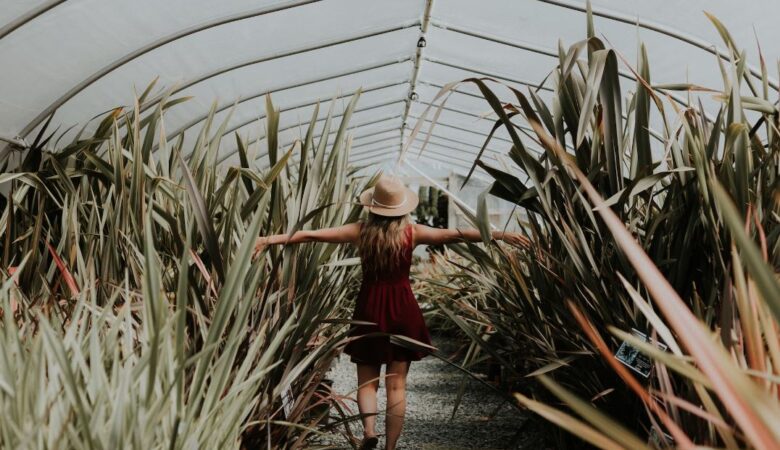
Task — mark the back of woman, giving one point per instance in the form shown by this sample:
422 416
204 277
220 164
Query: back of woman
385 299
385 248
385 305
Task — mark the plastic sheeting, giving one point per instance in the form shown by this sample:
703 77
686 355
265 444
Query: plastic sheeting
83 57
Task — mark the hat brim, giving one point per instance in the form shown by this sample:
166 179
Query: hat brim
412 200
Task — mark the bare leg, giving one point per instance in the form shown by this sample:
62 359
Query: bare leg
368 383
395 382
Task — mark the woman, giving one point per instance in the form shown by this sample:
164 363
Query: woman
385 242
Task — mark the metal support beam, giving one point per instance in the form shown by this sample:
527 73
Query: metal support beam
443 153
622 73
488 74
27 17
487 37
308 49
447 156
256 119
433 156
359 156
295 158
458 142
455 127
523 129
372 122
378 141
477 116
365 155
378 159
201 118
356 110
248 122
461 168
457 91
548 52
421 43
354 138
655 134
180 34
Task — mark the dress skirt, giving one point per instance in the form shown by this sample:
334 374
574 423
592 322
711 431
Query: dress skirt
394 309
387 301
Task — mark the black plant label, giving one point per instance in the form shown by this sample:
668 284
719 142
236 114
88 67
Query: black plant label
633 358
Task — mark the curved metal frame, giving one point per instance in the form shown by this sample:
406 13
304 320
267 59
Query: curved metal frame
441 157
369 153
622 73
235 150
354 127
523 46
487 74
224 70
443 154
363 144
379 159
465 154
523 129
296 158
458 141
441 150
456 91
203 117
27 17
445 160
356 110
354 138
418 57
454 152
289 143
148 48
459 128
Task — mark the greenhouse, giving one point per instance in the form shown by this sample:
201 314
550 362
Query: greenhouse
408 224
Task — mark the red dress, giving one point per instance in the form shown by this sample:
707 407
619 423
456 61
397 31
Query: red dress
386 299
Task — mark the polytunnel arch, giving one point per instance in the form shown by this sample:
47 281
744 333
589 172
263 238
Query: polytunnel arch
437 20
625 202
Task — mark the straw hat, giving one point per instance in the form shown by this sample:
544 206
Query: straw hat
389 198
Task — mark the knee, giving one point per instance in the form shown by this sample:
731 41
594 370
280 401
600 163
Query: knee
369 386
395 384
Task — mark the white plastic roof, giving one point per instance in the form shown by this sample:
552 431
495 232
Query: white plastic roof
83 57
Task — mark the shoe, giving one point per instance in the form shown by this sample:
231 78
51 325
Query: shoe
369 443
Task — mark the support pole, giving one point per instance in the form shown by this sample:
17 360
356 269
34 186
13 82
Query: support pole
418 57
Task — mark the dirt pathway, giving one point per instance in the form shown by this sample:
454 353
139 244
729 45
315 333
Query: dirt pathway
432 391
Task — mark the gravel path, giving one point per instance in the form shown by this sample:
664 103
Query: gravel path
483 420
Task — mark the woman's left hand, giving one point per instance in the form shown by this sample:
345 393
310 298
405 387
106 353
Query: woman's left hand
260 244
517 239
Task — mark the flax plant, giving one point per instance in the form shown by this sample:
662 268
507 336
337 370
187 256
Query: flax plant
673 231
133 315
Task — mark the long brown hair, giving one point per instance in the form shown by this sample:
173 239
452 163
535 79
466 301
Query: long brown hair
383 242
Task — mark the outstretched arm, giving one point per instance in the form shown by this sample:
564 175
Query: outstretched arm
337 235
436 236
